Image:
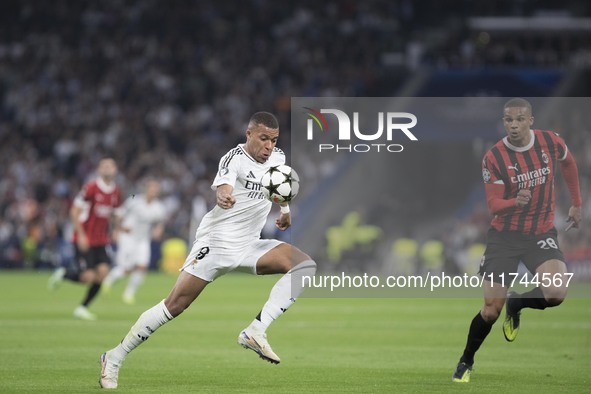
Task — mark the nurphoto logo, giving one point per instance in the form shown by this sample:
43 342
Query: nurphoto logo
390 124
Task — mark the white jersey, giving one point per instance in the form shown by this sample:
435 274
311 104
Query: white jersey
234 228
140 216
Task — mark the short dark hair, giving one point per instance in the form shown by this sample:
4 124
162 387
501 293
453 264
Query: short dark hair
264 118
519 103
105 158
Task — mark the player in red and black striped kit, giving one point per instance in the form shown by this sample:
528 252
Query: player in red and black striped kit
90 214
518 173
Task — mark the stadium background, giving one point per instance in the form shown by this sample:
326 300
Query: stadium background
166 89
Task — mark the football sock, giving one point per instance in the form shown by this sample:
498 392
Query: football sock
146 325
135 280
283 295
115 274
532 299
93 290
479 329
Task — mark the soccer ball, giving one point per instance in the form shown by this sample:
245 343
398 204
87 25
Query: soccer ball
280 183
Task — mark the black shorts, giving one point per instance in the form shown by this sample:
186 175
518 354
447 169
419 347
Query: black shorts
505 249
93 257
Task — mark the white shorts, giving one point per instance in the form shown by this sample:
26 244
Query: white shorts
208 263
132 252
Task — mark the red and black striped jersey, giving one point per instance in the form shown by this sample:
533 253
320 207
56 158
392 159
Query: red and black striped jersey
529 167
98 201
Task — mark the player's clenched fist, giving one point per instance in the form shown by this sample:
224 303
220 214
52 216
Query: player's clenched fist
283 222
523 197
226 200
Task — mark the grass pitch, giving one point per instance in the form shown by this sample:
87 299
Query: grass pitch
326 345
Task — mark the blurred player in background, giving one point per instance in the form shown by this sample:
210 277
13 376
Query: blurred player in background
90 214
228 239
518 173
142 219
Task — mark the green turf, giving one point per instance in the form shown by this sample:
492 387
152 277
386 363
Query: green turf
326 345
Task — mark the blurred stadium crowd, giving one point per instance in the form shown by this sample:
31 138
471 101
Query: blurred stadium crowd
166 88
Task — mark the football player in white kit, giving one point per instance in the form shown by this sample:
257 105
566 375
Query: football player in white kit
141 220
227 239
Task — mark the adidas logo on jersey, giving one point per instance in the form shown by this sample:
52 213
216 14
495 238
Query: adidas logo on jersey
250 175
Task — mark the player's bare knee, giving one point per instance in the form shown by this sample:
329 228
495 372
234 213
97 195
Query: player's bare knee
490 315
88 276
101 274
490 312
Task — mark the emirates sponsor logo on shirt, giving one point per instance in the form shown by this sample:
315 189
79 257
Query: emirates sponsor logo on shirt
103 211
531 178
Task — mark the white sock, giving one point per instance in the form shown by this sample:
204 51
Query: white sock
283 295
146 325
135 280
114 275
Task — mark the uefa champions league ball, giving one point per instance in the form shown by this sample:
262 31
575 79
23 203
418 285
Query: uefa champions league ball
280 183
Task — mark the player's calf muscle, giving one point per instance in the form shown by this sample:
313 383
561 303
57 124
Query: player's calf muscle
554 268
554 295
177 305
87 276
185 291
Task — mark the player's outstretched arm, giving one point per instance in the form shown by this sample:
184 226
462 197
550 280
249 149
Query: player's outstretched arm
570 172
225 199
